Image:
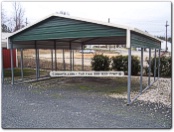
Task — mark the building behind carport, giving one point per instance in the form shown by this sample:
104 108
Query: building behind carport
66 32
6 52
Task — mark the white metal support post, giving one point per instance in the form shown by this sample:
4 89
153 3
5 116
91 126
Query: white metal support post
129 76
141 77
159 64
38 65
155 66
22 73
63 59
70 48
55 57
149 66
73 60
12 67
82 56
52 59
36 54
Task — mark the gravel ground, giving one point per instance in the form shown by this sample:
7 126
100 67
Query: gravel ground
159 92
65 106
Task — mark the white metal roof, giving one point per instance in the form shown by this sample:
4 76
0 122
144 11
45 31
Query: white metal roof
91 21
4 39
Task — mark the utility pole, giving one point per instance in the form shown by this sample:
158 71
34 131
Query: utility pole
166 35
26 22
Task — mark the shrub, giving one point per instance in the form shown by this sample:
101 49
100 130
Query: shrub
146 70
165 66
100 63
120 63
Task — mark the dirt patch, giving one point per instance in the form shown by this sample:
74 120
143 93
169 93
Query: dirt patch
30 62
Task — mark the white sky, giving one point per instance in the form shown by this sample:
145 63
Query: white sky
149 16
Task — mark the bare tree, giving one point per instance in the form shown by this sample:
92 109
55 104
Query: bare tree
3 16
18 16
4 22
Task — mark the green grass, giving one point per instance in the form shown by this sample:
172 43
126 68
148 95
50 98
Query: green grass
106 85
56 95
36 91
84 87
97 85
17 72
119 90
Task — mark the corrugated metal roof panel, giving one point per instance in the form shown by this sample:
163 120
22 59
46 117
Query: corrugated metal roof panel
89 21
60 28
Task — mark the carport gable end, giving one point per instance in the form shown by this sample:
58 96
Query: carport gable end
142 41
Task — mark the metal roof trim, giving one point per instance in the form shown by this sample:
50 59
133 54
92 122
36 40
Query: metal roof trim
146 34
94 21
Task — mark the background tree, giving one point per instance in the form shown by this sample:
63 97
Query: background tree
4 22
18 16
169 40
15 21
164 38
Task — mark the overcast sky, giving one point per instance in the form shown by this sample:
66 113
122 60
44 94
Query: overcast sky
149 16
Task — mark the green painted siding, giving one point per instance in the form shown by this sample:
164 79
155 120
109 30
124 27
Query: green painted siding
61 28
143 41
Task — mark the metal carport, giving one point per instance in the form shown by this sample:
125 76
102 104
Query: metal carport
66 32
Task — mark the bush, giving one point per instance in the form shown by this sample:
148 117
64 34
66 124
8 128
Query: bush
100 63
165 67
120 63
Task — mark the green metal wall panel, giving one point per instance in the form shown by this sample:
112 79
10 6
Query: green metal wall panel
61 28
138 40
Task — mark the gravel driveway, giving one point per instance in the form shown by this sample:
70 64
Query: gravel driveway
64 106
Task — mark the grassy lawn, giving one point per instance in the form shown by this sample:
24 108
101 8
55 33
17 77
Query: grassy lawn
89 84
17 72
106 85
